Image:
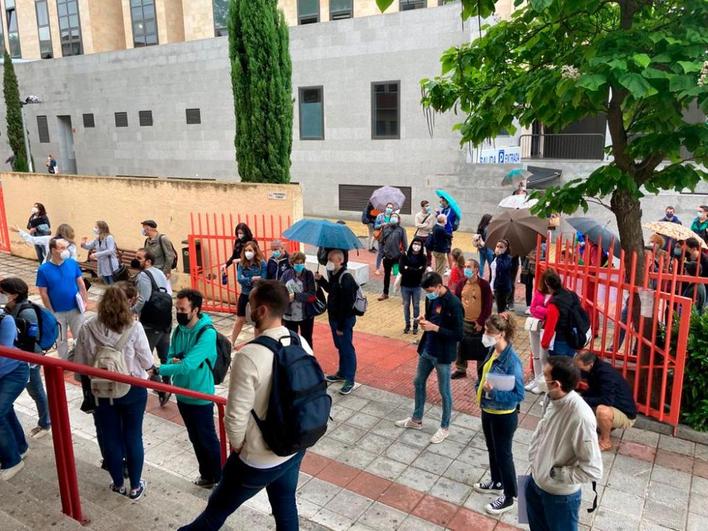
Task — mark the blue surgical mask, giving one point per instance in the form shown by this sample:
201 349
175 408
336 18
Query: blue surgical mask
468 272
432 296
389 210
299 268
276 254
428 209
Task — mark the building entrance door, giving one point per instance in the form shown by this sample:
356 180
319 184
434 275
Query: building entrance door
67 156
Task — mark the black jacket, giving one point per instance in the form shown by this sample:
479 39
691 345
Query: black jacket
277 266
607 387
444 341
564 300
412 266
341 289
37 220
440 239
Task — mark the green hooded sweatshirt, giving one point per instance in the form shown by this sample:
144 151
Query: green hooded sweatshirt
192 372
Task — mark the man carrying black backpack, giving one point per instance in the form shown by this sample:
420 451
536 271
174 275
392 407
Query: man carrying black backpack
263 421
154 307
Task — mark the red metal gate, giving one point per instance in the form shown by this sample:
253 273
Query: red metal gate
639 323
4 233
211 242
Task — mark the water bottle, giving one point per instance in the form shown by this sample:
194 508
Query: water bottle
224 278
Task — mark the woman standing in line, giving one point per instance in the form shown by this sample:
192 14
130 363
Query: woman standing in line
38 225
251 268
534 324
411 267
300 283
503 283
102 249
486 255
243 236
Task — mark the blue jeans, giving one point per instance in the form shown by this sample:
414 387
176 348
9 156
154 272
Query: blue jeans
12 436
561 348
241 482
426 364
107 279
379 256
498 434
410 295
199 421
345 346
35 388
485 256
119 426
551 512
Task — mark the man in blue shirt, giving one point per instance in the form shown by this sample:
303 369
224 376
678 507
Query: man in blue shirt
450 222
61 287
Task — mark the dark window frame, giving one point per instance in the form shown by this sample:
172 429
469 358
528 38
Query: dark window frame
121 118
219 31
194 117
300 94
89 120
308 16
145 118
133 22
14 46
37 4
410 5
43 129
74 31
375 136
337 15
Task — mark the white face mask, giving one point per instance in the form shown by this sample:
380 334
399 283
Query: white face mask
249 255
3 299
416 248
330 266
143 232
542 386
35 210
65 254
488 341
95 231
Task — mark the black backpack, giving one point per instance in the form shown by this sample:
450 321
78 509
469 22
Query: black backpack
299 406
157 312
578 333
223 354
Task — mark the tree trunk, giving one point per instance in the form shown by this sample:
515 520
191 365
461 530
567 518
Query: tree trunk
628 212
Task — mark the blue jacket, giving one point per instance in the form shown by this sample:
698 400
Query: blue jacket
246 273
502 280
508 362
451 218
8 334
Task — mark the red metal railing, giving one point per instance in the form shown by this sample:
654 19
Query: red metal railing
640 323
61 427
4 232
211 242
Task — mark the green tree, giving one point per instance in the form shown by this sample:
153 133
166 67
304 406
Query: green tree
261 78
640 62
13 115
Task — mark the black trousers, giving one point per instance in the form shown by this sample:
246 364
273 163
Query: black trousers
498 434
304 328
502 300
388 266
199 421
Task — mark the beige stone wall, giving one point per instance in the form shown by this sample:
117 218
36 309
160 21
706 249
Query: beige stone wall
123 203
127 23
27 27
103 19
54 27
170 21
198 19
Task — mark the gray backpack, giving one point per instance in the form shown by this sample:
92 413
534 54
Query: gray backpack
111 358
360 303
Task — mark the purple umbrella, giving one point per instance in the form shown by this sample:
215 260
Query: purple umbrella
385 195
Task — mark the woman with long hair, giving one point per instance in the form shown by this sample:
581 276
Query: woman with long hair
243 236
539 312
457 273
486 255
102 249
38 225
119 421
63 231
250 269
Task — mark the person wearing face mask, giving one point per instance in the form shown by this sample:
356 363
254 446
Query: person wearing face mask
424 223
500 410
556 329
302 291
250 269
457 273
442 330
279 261
393 242
103 249
440 244
60 286
243 236
476 297
564 452
382 220
161 248
192 353
341 288
64 231
450 223
696 254
368 218
38 225
411 267
503 282
700 223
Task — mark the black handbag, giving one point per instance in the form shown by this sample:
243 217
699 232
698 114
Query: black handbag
471 347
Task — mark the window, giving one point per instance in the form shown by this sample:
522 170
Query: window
13 34
89 120
311 113
308 11
69 27
144 22
220 9
339 9
45 38
43 129
145 118
194 116
121 119
385 110
407 5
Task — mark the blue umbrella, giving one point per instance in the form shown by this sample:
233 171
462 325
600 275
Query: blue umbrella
323 233
442 194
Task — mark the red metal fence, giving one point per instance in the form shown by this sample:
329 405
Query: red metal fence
211 243
4 233
640 322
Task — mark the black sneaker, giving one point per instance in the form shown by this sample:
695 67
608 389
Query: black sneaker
415 330
137 493
458 374
488 487
347 388
333 378
407 329
500 505
118 490
205 483
164 399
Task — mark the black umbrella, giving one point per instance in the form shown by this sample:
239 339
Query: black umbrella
519 227
597 232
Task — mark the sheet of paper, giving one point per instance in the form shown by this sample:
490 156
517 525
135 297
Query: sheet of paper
502 382
80 303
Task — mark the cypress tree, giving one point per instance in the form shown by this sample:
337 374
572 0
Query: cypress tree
261 80
13 115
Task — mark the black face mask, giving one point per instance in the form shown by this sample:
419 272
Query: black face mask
183 318
135 264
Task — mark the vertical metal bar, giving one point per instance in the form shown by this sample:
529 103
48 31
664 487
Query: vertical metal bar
50 375
223 441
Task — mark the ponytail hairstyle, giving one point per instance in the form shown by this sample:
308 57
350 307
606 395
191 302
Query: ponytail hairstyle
502 323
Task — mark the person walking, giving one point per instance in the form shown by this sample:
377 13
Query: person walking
486 255
150 280
394 243
279 261
500 411
382 220
51 164
103 249
341 288
63 292
302 291
192 353
243 236
411 267
13 379
476 297
424 223
161 248
534 324
563 452
368 218
15 291
440 244
38 225
556 328
503 282
700 223
250 269
442 330
64 231
119 421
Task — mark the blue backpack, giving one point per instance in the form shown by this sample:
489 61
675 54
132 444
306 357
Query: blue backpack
299 406
46 323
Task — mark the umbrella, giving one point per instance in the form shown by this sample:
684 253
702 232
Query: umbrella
442 194
519 227
517 173
323 233
385 195
517 201
674 231
595 231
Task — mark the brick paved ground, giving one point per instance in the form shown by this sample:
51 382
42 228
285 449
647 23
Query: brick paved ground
367 474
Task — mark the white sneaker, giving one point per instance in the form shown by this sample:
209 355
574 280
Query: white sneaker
410 424
530 385
536 390
38 432
9 473
439 436
528 311
24 454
